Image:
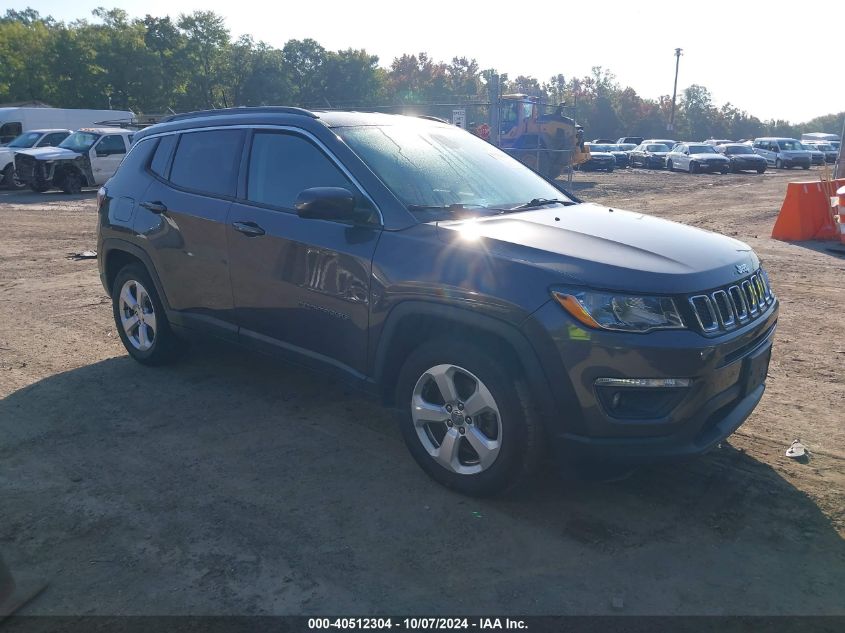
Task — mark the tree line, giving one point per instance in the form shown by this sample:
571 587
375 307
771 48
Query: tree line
160 64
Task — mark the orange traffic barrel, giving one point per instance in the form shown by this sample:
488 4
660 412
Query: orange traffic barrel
806 213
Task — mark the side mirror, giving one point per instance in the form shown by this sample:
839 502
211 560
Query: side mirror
326 203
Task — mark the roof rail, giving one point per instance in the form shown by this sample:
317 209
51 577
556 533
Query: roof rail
241 110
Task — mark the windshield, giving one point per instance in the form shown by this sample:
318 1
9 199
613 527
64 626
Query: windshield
626 147
701 149
430 167
25 140
657 148
79 141
739 149
599 148
824 147
790 145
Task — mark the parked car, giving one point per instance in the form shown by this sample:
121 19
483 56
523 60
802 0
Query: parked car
86 158
782 152
649 155
606 141
635 140
27 140
662 141
600 158
830 152
498 314
742 157
718 141
621 155
817 156
696 157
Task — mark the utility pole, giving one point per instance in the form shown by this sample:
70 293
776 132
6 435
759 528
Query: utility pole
671 125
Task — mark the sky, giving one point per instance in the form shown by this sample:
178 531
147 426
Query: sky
769 58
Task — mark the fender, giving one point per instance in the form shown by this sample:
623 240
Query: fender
510 334
116 244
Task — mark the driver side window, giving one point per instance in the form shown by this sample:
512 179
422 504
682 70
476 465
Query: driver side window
111 145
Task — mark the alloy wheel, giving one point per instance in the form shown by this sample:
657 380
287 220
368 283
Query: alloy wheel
456 419
137 315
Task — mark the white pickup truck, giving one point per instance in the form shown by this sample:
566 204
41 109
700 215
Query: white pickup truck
27 140
86 158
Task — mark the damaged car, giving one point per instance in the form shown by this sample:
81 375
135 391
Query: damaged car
86 158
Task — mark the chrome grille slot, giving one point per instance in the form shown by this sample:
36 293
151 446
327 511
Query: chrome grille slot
730 307
724 309
740 306
704 312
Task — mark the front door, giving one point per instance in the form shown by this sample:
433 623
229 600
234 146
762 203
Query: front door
106 156
300 284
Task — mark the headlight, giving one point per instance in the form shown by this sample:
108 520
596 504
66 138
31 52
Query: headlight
628 313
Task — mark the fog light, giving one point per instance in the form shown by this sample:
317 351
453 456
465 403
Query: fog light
659 383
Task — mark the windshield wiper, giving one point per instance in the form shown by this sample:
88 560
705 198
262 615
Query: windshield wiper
541 202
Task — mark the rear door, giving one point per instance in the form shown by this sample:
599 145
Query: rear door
300 284
182 215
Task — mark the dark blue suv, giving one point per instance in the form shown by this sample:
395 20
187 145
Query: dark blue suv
500 315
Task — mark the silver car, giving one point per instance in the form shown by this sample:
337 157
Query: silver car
696 157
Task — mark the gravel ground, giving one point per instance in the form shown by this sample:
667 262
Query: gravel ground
231 483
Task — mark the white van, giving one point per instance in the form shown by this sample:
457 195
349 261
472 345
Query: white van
782 152
16 121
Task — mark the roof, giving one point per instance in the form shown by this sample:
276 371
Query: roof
106 130
48 130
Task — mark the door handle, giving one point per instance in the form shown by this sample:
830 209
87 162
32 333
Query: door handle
250 229
157 206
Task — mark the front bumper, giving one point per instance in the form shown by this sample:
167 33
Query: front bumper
748 165
796 162
727 381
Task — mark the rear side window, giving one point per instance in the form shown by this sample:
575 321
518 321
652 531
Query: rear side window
282 165
126 180
208 161
162 156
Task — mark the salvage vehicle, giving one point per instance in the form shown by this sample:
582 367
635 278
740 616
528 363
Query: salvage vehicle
499 315
33 138
695 158
742 157
601 158
649 155
782 153
86 158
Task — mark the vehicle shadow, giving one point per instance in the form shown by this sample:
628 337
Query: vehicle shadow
25 196
831 248
232 483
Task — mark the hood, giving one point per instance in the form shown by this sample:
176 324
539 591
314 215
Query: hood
600 155
50 153
756 157
594 246
650 153
707 156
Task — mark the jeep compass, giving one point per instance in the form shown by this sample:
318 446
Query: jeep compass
501 316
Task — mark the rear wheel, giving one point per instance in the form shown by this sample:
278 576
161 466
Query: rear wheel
778 164
140 318
805 167
466 421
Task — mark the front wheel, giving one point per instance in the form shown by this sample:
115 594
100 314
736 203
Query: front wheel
10 179
140 318
778 164
39 187
805 167
761 170
669 166
466 420
725 170
72 182
693 167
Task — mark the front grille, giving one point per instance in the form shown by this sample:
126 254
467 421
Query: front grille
733 306
25 167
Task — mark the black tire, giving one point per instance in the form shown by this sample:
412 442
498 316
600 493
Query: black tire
39 187
669 166
725 170
761 170
10 181
609 169
693 167
72 182
520 435
805 167
778 164
165 346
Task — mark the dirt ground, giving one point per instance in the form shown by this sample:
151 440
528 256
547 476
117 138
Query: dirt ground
231 483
